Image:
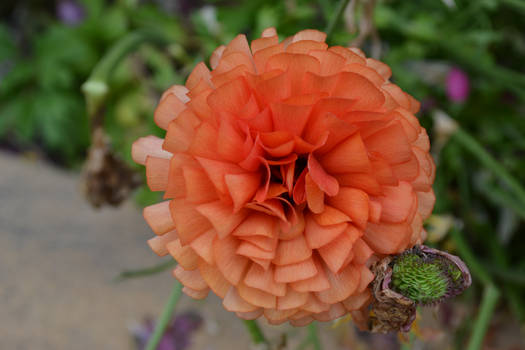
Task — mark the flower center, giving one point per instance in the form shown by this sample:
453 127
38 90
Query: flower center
288 175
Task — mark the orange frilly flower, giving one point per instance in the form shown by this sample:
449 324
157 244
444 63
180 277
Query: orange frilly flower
286 169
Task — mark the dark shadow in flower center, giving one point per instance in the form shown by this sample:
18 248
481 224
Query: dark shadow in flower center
300 165
276 175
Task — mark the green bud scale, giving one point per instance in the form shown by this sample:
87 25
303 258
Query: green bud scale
426 278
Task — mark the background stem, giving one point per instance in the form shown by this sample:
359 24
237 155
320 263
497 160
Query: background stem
485 158
341 6
255 332
490 295
96 88
488 303
164 318
312 335
147 271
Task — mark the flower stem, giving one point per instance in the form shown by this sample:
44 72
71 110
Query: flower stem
147 271
490 296
96 87
312 335
490 163
408 344
164 318
341 6
488 304
255 332
311 339
325 7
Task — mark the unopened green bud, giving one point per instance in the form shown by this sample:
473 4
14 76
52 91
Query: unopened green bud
426 277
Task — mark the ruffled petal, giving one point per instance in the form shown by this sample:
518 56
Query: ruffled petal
189 223
295 272
196 294
262 279
232 265
292 251
338 252
350 156
191 279
342 285
352 202
317 235
318 282
158 243
214 278
157 172
158 217
148 146
234 303
185 256
221 216
292 300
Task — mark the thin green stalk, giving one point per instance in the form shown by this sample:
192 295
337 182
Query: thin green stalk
490 163
490 296
488 304
312 334
311 339
341 6
119 51
255 332
408 344
96 87
148 271
325 6
165 318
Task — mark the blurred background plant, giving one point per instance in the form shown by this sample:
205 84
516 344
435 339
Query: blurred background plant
463 59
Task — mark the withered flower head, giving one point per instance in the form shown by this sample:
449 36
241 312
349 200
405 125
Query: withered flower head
419 276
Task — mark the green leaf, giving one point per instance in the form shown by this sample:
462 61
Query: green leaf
62 122
7 45
20 75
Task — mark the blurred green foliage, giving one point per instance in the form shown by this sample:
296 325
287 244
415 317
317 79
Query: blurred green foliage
44 60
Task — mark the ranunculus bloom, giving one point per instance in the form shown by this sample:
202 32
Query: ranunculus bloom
286 169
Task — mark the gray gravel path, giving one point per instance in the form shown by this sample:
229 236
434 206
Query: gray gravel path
58 257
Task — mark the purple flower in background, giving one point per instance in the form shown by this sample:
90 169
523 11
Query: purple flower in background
70 12
458 85
176 337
